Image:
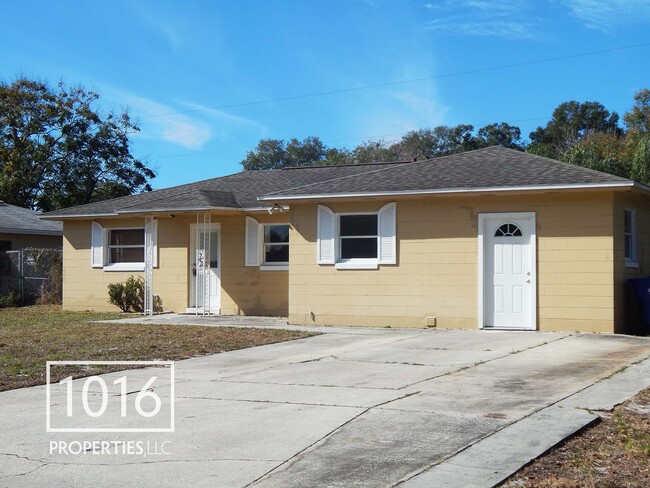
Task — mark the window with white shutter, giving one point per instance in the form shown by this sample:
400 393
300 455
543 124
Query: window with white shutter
97 245
326 246
361 240
252 244
120 249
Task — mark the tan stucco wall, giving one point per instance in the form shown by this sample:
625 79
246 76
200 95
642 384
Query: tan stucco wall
624 302
19 241
437 270
245 290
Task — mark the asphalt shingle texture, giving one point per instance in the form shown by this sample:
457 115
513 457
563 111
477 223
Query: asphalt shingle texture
25 221
493 167
237 191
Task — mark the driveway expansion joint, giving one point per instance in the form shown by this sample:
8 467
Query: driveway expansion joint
324 439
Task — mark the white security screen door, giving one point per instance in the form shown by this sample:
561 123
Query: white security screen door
509 288
198 235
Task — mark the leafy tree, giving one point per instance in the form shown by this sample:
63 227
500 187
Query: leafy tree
276 153
613 151
338 156
417 144
439 141
57 150
570 123
640 148
500 134
638 119
601 151
372 151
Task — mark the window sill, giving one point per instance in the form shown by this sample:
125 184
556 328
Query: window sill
358 264
124 267
276 267
631 264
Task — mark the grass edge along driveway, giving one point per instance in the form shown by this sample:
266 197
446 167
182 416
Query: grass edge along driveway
30 336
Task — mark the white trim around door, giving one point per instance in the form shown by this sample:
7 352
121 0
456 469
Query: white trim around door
515 235
215 271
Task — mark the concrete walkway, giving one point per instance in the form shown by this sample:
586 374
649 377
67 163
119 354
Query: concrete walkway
351 407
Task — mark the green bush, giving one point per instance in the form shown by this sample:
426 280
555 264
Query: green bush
11 299
128 296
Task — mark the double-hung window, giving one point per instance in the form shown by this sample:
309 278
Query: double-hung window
276 244
629 229
266 245
125 246
358 236
120 248
362 240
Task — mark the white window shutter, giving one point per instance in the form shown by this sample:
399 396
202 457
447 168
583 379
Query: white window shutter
252 242
97 245
326 236
387 234
155 242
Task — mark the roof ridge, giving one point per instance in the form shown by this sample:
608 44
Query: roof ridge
316 166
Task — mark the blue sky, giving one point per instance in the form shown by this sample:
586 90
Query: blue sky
168 61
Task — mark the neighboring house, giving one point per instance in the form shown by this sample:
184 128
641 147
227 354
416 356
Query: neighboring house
21 227
493 238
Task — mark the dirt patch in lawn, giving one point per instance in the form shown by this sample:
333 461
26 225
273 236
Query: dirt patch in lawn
31 336
613 453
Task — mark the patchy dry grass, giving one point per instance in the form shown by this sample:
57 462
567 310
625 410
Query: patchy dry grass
613 453
31 336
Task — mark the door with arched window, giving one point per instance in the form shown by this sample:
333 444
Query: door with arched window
507 296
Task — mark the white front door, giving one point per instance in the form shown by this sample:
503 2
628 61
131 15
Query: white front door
508 283
196 235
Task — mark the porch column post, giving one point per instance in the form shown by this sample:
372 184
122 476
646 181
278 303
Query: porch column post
203 221
148 264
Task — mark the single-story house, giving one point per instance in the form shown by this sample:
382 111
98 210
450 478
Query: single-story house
21 228
493 238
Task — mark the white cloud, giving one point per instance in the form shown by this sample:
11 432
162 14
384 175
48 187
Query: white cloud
507 18
157 121
606 15
184 123
494 28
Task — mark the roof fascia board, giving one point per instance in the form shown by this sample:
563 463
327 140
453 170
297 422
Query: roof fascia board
641 186
156 211
200 209
75 216
585 186
9 230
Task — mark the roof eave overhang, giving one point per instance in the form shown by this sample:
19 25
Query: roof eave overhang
130 213
8 230
458 191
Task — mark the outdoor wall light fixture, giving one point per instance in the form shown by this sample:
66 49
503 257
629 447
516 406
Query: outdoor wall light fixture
276 208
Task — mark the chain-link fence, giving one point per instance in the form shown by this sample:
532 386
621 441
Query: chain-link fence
31 275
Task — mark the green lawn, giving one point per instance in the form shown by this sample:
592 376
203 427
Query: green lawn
30 336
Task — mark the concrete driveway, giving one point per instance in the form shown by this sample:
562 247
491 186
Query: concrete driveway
363 407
